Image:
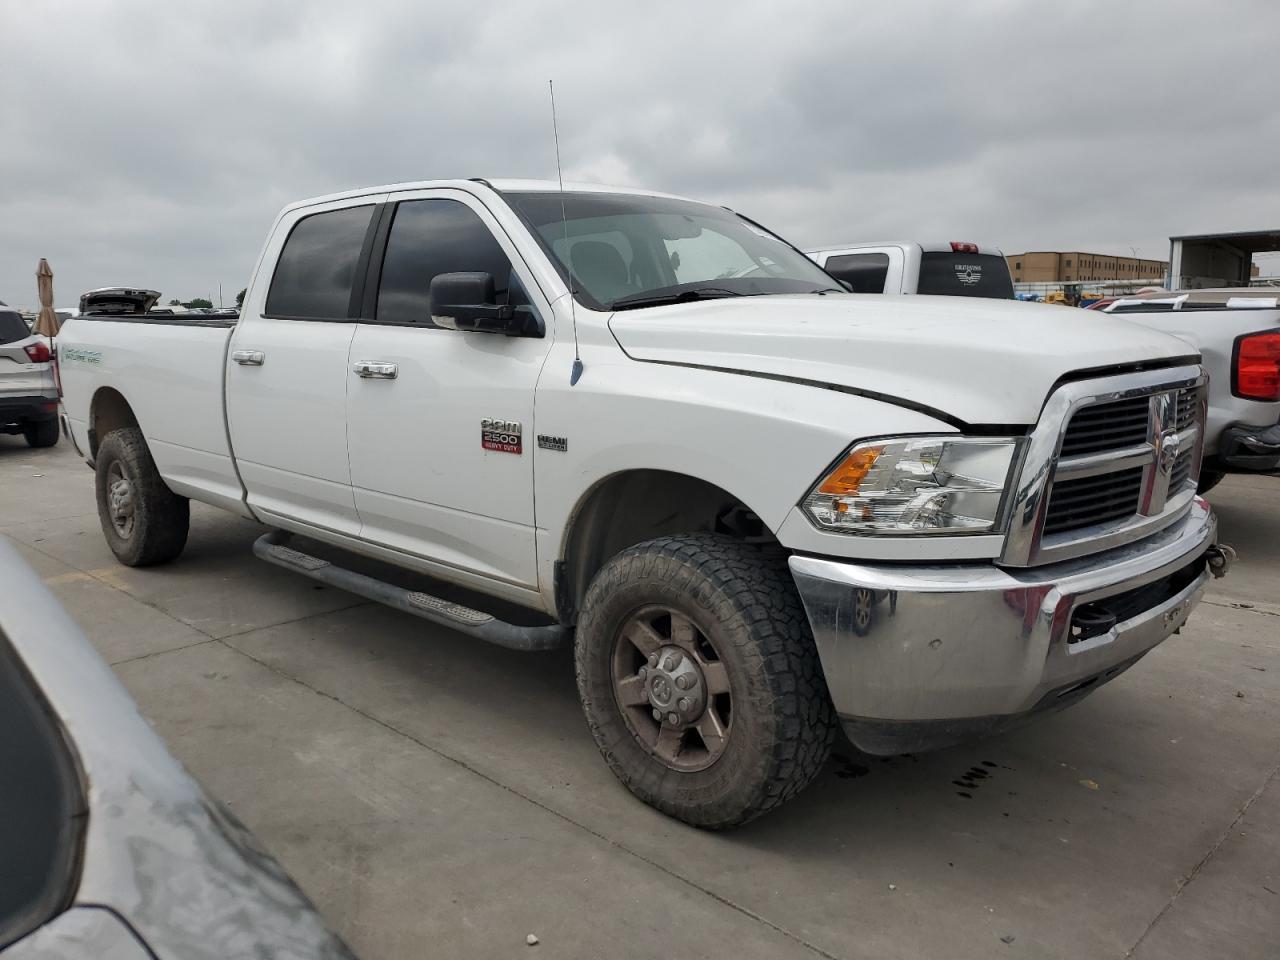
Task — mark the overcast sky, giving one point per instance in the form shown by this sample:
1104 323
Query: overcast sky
151 143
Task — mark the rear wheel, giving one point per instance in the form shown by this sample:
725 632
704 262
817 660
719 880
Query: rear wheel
143 520
700 680
41 433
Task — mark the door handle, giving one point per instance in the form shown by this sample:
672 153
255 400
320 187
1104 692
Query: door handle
375 370
249 358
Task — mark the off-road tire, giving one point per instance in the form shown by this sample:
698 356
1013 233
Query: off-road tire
744 600
161 517
41 433
1208 480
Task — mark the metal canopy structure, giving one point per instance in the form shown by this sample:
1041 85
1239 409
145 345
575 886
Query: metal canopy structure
1217 259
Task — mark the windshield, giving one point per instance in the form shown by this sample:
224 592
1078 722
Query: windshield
635 251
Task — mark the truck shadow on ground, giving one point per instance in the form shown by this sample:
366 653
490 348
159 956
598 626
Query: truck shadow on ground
515 717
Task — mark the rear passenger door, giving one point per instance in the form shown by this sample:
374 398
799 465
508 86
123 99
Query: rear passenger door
426 481
287 367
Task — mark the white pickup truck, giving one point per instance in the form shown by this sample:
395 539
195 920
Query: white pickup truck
953 269
1237 333
758 506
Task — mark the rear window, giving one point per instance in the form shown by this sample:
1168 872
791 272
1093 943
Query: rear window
864 272
965 275
12 327
317 266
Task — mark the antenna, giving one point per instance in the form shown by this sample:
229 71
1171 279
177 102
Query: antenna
568 261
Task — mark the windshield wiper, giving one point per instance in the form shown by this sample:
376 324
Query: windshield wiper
824 290
682 296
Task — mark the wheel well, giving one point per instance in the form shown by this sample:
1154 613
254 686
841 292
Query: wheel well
109 411
629 508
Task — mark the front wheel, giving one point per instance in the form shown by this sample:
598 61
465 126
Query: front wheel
143 520
700 679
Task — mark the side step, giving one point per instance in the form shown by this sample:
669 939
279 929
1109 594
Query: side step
273 548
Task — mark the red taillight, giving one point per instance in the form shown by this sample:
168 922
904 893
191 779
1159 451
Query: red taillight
38 351
957 247
1256 373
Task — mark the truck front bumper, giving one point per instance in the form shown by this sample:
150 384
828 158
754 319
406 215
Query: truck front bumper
922 657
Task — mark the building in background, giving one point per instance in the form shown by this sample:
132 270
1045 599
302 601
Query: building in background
1044 266
1219 259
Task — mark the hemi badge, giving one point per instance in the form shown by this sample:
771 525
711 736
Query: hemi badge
553 443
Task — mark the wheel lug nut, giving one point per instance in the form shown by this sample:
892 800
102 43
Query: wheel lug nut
657 714
673 718
684 681
684 703
643 672
653 659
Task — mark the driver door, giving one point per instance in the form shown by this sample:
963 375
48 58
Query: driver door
426 479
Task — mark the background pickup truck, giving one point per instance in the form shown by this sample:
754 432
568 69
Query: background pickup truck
1238 334
757 506
951 269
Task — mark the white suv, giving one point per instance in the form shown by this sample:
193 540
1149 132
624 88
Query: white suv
28 390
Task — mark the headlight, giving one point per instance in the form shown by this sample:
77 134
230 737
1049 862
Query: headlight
915 485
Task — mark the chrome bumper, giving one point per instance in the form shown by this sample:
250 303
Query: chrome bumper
917 657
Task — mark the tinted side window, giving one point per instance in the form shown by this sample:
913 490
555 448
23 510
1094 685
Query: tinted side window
865 272
318 264
430 237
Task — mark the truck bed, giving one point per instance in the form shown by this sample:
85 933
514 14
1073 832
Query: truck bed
181 412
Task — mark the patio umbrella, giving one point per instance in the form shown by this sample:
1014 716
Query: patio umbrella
47 323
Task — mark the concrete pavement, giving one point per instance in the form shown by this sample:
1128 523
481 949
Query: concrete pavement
436 796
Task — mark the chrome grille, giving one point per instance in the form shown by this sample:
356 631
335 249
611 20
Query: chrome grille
1112 460
1107 426
1111 457
1188 404
1181 470
1075 504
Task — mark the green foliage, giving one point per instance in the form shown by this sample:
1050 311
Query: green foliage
198 302
240 298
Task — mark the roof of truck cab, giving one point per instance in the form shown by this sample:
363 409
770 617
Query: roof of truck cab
926 246
498 185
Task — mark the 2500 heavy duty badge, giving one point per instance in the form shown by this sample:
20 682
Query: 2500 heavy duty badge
501 435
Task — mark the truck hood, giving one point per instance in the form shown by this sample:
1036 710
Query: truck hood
976 361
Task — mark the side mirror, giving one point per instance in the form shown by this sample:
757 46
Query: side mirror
466 301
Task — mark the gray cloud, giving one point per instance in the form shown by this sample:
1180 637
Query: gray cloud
152 143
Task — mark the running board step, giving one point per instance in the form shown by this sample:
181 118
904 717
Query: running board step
273 548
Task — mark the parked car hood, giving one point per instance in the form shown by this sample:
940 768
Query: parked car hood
981 362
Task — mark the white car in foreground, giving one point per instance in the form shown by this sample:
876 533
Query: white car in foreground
757 505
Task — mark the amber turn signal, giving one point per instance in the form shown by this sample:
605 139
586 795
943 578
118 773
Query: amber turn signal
844 480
